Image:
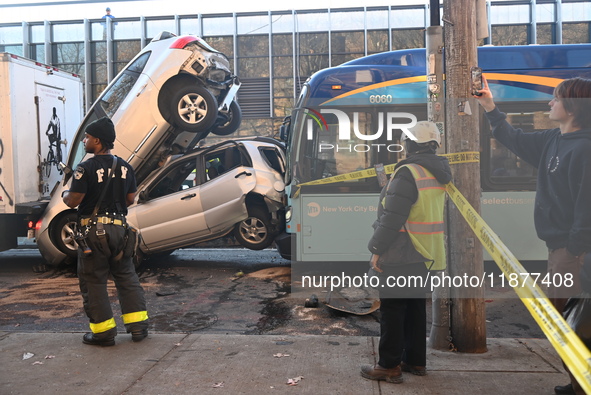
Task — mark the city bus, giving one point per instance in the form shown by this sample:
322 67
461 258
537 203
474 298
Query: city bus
349 119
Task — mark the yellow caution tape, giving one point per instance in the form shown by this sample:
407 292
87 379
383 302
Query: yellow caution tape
458 157
569 346
463 157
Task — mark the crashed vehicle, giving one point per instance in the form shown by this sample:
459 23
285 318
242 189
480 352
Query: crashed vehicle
169 97
232 188
172 94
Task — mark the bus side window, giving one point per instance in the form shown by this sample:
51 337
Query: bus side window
505 166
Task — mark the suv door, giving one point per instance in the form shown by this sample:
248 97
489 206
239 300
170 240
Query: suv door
173 214
229 177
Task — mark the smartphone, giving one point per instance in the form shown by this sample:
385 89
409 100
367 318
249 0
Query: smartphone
476 73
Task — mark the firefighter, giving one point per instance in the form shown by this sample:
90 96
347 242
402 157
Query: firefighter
104 236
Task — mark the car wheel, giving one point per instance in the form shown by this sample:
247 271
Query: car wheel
254 232
193 109
232 123
60 231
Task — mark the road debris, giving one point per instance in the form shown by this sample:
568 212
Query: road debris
280 355
219 385
312 301
295 380
28 355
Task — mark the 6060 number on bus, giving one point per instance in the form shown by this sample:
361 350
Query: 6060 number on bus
377 99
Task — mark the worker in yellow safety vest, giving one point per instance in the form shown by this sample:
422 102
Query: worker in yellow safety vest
407 242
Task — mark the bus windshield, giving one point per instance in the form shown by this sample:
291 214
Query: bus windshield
336 142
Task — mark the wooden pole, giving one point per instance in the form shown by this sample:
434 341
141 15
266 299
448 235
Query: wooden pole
468 324
439 335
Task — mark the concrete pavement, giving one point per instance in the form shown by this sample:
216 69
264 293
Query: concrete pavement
239 364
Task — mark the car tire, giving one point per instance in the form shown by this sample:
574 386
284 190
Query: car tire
232 124
193 109
254 232
59 233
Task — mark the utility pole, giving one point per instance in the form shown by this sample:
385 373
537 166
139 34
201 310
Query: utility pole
468 323
439 335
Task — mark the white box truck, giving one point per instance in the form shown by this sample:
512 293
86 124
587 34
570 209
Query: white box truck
40 110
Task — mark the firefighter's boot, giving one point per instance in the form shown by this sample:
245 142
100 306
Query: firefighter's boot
103 339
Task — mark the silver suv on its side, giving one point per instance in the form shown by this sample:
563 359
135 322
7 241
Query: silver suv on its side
232 188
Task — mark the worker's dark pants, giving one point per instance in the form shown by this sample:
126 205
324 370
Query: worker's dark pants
93 272
403 332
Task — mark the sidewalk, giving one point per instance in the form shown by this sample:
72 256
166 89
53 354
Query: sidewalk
195 364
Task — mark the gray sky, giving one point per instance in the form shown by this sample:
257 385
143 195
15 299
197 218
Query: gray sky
19 10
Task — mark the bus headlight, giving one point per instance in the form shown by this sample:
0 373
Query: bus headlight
288 214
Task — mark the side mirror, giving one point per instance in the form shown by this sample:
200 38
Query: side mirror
65 168
284 128
143 197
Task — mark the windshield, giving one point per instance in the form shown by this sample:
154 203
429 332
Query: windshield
112 98
325 146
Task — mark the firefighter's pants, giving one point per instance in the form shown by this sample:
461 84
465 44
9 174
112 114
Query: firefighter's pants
93 272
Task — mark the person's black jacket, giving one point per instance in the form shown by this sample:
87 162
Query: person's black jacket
400 194
562 212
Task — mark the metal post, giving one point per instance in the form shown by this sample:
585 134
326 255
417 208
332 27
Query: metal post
177 25
271 90
329 40
439 335
26 40
47 44
143 32
87 65
109 38
235 43
558 24
295 57
533 34
365 31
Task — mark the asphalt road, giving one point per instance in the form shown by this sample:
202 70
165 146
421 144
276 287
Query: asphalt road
216 291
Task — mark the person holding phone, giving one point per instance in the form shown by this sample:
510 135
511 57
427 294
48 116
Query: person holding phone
562 213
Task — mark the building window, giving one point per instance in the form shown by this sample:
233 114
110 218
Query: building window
11 38
575 33
545 33
408 38
153 27
313 53
347 20
510 35
346 46
256 24
69 56
377 41
253 59
218 26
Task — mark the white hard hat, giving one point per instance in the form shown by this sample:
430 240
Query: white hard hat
424 131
